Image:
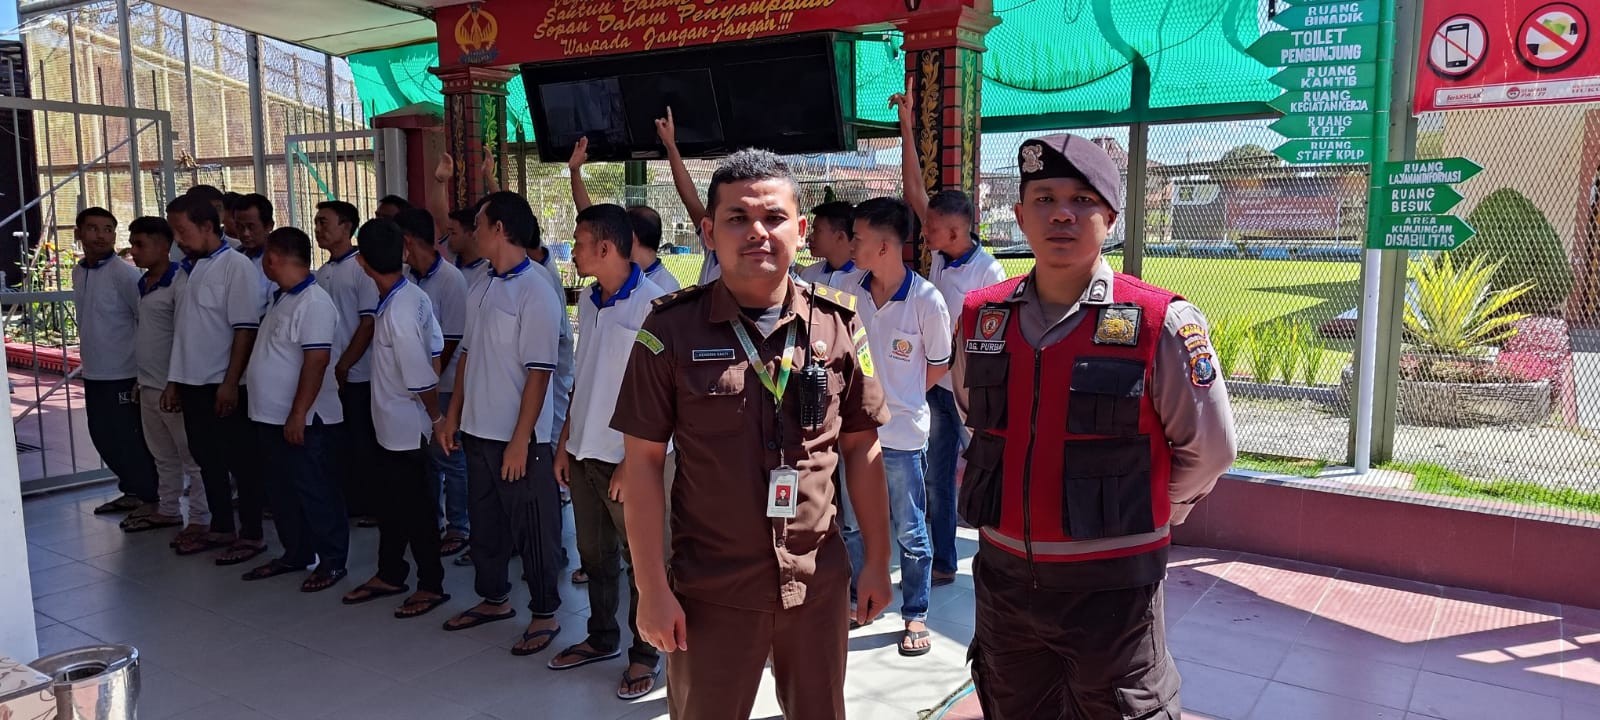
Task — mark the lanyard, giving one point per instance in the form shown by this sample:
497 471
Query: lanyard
756 363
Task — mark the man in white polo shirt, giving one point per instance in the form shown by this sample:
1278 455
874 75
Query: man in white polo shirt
474 267
219 200
646 223
252 221
909 332
831 226
447 293
503 408
960 265
406 345
105 291
297 347
218 311
561 383
610 314
356 297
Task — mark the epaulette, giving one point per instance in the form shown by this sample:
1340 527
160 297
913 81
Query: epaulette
676 298
834 296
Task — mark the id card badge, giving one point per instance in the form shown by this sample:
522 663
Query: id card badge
782 488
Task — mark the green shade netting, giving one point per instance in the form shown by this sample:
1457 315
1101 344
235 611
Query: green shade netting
1050 64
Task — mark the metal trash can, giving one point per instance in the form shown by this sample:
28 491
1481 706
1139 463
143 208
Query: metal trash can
99 682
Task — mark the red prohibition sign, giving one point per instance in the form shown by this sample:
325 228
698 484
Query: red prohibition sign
1553 36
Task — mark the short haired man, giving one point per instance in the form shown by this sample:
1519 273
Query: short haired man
406 343
356 297
296 348
390 206
561 389
1100 393
462 244
447 294
909 332
105 292
645 221
831 227
218 200
151 240
609 317
960 265
219 307
753 577
253 222
503 406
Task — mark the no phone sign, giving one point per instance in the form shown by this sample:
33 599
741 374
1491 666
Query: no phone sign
1458 46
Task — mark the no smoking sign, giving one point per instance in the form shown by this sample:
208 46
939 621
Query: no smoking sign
1457 47
1553 36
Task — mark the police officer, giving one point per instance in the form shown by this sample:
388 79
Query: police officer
1099 420
764 385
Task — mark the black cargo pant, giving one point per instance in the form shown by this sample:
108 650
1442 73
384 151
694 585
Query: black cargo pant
222 446
524 513
408 511
116 429
1054 655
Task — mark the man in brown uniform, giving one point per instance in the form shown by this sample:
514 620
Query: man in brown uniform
758 568
1099 419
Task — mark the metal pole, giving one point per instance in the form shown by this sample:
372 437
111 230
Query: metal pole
16 138
327 87
258 148
77 119
125 43
1372 260
188 84
105 137
1133 224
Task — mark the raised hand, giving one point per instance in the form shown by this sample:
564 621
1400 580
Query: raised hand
445 170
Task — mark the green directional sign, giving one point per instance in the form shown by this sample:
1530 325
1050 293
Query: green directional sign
1305 16
1343 76
1332 125
1322 46
1420 199
1319 151
1305 102
1420 232
1430 172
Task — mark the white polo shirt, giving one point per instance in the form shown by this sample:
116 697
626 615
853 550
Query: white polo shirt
955 277
474 271
607 331
821 272
565 352
405 339
267 285
107 298
152 340
710 269
298 319
355 295
442 245
513 326
447 291
658 274
217 295
907 334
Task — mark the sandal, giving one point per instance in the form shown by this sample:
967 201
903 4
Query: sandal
913 636
627 679
153 521
579 577
187 532
369 592
199 543
240 552
426 606
475 618
585 656
453 544
943 580
320 580
126 503
462 560
270 570
547 635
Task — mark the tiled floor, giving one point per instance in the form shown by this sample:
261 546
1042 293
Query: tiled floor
1256 638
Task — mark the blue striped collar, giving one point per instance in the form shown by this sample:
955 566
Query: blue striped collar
188 263
296 290
654 268
521 268
628 286
434 268
85 264
829 269
383 303
900 294
350 254
161 282
253 254
953 263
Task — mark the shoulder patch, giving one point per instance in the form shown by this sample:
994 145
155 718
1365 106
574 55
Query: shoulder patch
649 341
834 296
674 298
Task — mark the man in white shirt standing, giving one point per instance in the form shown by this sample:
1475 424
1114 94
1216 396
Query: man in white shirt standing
960 265
406 344
504 410
831 225
609 317
297 346
252 220
909 332
151 238
646 223
106 293
219 308
218 200
561 383
356 297
447 293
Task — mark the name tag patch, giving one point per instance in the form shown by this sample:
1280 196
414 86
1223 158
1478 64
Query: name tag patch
722 354
991 330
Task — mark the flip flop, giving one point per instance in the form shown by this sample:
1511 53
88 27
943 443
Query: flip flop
196 544
427 606
943 580
477 618
320 580
579 577
914 635
122 504
373 592
453 544
630 679
549 636
188 532
144 523
269 570
240 552
585 657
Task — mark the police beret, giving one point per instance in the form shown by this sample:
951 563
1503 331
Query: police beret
1070 156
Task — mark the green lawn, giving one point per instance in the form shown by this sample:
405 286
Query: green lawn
1440 480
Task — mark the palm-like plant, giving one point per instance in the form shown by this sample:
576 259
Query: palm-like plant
1457 311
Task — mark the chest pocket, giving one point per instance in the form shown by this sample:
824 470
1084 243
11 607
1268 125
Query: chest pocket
986 390
715 399
1104 397
213 296
500 328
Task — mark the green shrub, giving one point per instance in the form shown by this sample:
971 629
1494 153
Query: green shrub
1227 339
1263 357
1311 356
1455 309
1512 231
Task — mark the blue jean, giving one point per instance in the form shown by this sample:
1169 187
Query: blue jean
945 442
449 474
904 470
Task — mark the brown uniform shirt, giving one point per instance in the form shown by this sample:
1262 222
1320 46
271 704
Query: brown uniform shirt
689 380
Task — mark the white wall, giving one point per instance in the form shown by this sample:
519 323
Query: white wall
18 640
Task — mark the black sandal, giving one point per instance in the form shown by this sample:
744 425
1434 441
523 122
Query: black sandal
320 580
241 551
372 592
627 679
153 521
548 635
270 570
585 656
126 503
427 606
199 543
453 544
914 635
476 618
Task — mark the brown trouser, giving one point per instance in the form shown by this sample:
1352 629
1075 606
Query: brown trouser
1055 655
717 677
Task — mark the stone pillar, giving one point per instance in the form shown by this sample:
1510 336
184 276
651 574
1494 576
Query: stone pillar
944 55
475 127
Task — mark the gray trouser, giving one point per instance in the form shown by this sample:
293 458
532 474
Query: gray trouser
602 547
524 514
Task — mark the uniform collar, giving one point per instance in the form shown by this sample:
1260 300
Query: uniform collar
296 290
724 308
85 264
952 263
434 268
521 268
899 294
654 267
828 269
161 282
252 254
628 286
188 263
471 265
383 303
1099 291
348 254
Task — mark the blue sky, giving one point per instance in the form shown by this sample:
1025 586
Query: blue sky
8 18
